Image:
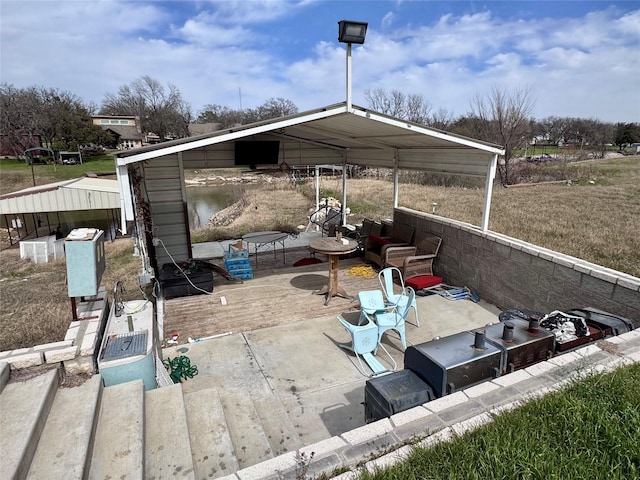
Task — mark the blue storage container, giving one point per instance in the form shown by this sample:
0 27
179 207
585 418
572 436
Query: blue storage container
242 274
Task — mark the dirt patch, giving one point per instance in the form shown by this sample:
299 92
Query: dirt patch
65 379
24 374
70 380
609 347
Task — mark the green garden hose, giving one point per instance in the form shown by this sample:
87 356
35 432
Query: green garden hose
179 368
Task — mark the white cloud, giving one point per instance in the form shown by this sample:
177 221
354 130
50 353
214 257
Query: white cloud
580 66
387 20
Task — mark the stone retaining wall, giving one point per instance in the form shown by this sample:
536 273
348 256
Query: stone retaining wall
510 273
79 349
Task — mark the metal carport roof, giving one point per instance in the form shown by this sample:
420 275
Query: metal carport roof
68 195
339 134
335 135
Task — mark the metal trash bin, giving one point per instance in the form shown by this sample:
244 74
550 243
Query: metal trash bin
396 392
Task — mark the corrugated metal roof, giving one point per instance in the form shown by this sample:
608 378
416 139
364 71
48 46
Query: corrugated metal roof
68 195
322 136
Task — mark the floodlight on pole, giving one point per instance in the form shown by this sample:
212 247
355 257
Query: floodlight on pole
351 32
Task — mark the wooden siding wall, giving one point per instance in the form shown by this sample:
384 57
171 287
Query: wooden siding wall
510 273
164 184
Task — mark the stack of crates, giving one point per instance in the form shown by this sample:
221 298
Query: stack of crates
237 263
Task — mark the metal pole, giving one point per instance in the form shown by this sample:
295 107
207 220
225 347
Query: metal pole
33 175
396 159
488 189
348 77
343 220
317 187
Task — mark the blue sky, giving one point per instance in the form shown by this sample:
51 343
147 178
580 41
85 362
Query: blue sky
581 58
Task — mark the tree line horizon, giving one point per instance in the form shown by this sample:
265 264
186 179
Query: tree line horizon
503 117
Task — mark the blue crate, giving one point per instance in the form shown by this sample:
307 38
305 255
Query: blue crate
242 274
239 254
237 263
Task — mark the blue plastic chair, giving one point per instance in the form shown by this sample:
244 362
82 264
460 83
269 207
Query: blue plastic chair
364 342
395 319
392 299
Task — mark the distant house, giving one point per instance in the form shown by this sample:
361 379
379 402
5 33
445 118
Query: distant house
125 130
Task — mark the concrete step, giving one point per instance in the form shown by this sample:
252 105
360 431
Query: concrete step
65 446
167 446
277 425
211 446
24 407
5 372
118 450
250 442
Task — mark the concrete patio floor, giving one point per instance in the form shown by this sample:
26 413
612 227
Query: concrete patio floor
316 385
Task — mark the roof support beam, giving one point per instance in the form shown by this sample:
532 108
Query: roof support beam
488 189
335 134
308 142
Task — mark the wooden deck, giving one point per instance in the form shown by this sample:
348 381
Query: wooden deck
278 294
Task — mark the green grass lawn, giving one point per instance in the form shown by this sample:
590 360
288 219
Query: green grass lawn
590 430
99 163
16 175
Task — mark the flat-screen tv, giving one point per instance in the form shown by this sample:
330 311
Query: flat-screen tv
258 152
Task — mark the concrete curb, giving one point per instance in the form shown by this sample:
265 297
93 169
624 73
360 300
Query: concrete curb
446 417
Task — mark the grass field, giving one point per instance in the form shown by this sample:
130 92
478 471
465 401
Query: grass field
591 430
16 175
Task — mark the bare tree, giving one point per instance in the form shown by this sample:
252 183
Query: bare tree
17 123
161 111
227 117
413 107
503 118
442 119
274 108
59 118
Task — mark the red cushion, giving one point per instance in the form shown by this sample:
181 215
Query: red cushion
378 240
422 281
306 261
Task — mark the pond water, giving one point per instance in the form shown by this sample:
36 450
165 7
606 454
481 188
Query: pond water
204 202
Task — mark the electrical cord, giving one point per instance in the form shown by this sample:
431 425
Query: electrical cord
182 270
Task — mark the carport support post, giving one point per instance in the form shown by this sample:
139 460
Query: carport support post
396 159
317 187
488 189
344 188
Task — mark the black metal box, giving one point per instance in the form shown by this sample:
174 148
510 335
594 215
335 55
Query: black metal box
394 393
450 363
523 345
175 284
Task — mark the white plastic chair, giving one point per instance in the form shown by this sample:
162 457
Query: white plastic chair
396 299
